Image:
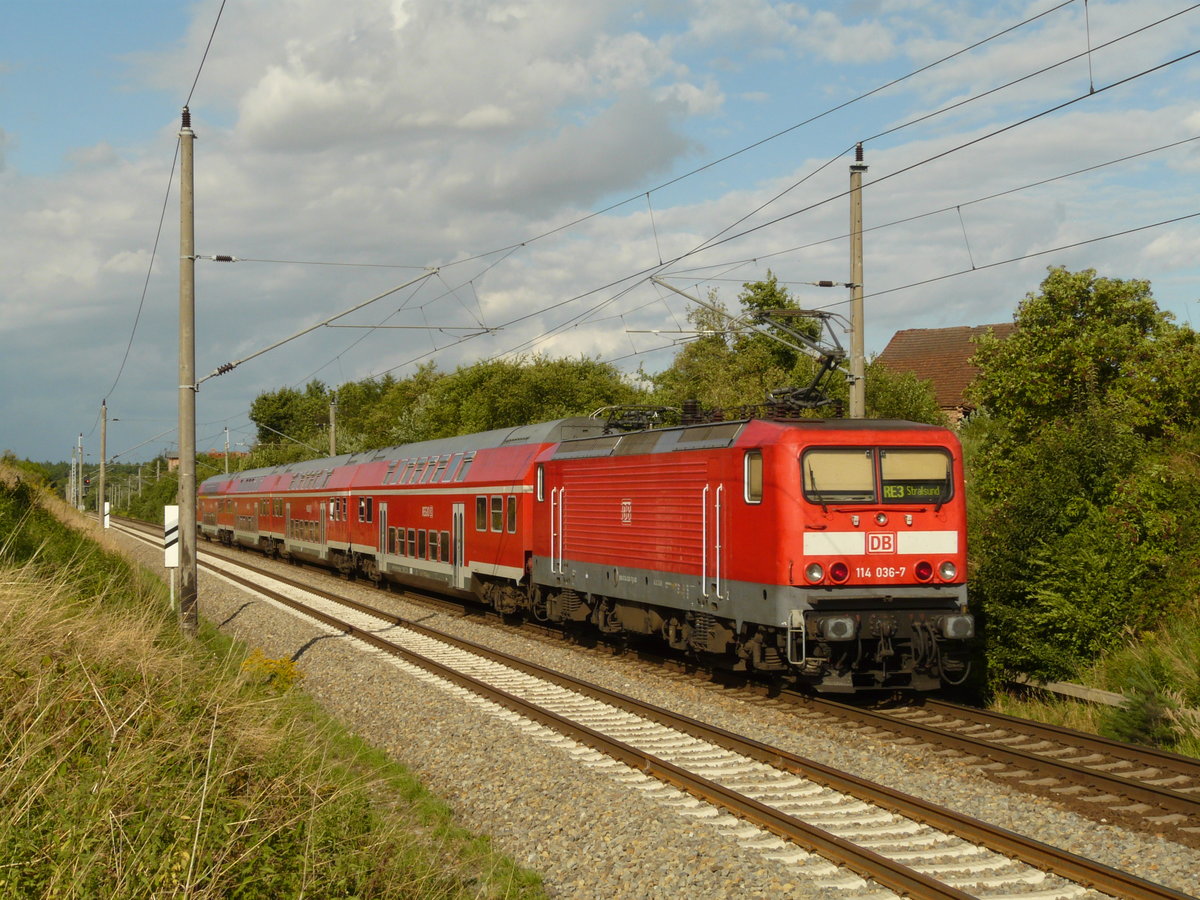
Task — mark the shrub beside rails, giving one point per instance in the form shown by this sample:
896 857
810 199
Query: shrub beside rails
831 551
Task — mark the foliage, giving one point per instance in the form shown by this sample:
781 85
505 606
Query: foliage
138 765
45 474
508 393
431 404
1158 674
1083 512
729 366
288 413
147 504
1084 340
280 674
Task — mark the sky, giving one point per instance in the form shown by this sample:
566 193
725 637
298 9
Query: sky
506 176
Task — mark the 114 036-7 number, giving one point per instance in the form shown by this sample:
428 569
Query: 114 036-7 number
880 571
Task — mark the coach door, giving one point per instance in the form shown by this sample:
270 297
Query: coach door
712 558
383 533
457 551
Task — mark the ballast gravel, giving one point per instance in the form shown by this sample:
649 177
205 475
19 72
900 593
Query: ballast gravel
596 829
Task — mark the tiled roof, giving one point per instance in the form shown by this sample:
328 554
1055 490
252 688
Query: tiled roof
940 355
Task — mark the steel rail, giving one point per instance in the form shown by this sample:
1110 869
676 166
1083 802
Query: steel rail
1160 796
1184 765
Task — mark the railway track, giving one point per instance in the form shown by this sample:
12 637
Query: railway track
1143 787
900 843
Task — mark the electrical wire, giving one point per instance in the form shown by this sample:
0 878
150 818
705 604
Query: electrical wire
212 34
933 212
762 141
149 268
717 240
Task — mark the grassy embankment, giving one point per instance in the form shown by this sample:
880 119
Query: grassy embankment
137 764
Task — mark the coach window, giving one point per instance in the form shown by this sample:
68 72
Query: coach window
445 546
481 513
541 482
440 472
512 514
452 467
466 467
412 542
279 507
433 545
421 544
497 513
754 476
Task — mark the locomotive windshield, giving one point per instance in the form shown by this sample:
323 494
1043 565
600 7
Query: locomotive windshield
876 475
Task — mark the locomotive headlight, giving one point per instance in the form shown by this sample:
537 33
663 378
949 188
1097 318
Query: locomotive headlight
947 571
959 627
838 628
814 572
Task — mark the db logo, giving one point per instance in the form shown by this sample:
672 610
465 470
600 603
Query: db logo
626 512
881 542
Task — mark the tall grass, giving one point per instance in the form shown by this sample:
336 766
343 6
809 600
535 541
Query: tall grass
1159 674
136 764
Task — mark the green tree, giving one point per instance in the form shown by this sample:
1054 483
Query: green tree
507 393
288 413
1081 509
1084 339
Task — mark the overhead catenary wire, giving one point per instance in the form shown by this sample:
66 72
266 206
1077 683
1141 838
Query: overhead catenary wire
708 245
512 247
228 367
769 138
939 210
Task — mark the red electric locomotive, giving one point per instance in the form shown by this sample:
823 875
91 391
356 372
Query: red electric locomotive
829 550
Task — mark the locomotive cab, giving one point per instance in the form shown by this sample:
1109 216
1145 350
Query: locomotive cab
882 591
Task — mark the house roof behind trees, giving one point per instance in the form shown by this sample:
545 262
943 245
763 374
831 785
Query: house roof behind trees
941 356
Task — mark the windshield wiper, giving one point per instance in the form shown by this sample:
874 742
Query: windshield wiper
816 490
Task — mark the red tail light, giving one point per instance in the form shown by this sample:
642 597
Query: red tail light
924 571
839 572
